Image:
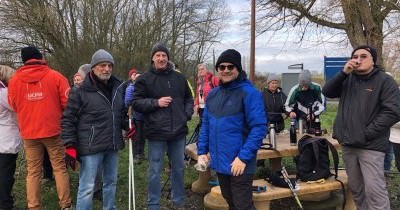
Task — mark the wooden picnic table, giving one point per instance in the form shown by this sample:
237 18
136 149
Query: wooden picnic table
283 149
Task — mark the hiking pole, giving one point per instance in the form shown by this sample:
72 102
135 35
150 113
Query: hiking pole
287 180
166 181
131 175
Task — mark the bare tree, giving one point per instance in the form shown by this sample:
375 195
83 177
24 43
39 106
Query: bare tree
69 31
360 21
391 58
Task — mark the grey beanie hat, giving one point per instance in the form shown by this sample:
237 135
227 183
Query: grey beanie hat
84 69
101 56
159 46
304 77
272 77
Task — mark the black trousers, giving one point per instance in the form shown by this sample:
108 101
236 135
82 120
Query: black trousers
237 191
140 141
7 170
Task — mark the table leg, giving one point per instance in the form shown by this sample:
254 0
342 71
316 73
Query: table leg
201 184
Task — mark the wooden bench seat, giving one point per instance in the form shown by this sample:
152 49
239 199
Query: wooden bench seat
214 199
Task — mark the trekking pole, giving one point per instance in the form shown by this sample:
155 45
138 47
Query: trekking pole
131 175
287 180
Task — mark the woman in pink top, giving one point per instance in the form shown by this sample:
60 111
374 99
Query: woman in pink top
205 82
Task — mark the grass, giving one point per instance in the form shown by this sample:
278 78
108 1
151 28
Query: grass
50 200
49 193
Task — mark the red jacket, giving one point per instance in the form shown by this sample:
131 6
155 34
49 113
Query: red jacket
210 81
39 95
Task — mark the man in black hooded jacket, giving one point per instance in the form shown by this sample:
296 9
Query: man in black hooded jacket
369 104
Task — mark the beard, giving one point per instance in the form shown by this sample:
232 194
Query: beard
104 77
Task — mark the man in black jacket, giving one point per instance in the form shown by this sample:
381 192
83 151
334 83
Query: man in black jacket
92 129
164 97
369 104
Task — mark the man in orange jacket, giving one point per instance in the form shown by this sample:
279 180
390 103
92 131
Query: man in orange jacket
39 95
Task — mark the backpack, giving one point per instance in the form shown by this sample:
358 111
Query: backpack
312 162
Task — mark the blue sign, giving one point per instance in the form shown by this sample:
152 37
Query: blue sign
333 65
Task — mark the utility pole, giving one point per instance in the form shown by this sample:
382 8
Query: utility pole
213 64
252 40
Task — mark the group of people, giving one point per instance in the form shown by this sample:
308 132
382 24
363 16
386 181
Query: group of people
234 119
84 124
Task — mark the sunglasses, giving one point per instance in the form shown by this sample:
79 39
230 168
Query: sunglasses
223 67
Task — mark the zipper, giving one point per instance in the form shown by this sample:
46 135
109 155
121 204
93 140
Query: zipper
91 137
170 111
113 115
99 92
216 130
216 144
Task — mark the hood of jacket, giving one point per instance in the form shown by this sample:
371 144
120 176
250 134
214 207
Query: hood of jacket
33 71
366 76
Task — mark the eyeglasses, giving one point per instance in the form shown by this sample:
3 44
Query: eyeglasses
223 67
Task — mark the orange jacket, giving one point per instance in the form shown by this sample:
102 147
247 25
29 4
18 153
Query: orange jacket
39 95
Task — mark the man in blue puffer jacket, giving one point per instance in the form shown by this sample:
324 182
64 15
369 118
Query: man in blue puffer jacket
232 131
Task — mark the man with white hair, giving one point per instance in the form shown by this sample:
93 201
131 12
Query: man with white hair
92 129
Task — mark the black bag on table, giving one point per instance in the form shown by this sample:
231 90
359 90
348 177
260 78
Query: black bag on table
313 163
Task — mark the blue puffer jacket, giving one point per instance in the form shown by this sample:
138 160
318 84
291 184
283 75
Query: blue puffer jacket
233 125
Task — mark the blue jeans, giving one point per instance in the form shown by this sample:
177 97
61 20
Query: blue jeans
388 158
88 169
156 159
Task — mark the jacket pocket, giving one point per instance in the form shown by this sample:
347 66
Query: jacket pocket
369 136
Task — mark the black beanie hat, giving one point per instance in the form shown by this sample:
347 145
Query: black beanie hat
159 46
370 49
230 56
30 52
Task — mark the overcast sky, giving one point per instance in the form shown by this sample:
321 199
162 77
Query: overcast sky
272 54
